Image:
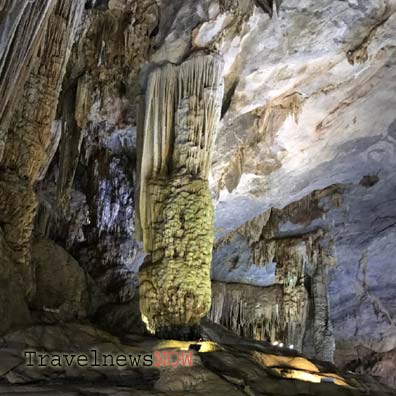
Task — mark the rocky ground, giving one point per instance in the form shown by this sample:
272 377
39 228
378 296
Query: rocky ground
227 365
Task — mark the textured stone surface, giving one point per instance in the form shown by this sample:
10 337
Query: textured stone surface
35 42
309 102
22 24
283 251
29 129
13 307
174 285
250 311
61 284
182 111
235 367
272 150
87 195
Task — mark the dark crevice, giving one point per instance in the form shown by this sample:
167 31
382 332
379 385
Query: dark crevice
268 6
228 98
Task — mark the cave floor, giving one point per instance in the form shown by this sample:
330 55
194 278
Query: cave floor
224 365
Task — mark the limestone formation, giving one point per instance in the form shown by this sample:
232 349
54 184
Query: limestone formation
13 307
62 293
87 195
29 129
182 109
22 25
293 310
301 178
251 311
231 366
289 300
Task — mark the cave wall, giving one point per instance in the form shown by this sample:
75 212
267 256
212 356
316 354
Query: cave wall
311 105
308 103
22 27
286 254
38 66
69 158
88 195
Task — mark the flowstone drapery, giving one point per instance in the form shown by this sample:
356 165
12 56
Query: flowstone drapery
182 111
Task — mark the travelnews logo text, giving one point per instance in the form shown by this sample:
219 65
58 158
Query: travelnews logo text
96 359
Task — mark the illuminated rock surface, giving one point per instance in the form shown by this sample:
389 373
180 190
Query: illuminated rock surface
182 111
230 366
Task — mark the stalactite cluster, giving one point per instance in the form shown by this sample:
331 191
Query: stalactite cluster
250 311
29 127
294 310
22 25
273 313
182 109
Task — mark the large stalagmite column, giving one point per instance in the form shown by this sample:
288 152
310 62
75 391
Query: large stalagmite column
182 111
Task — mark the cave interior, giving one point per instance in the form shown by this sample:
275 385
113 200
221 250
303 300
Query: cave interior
203 178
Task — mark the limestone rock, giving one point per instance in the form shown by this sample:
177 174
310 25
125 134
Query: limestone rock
251 311
53 25
175 211
286 254
87 196
22 24
308 104
61 284
13 306
236 367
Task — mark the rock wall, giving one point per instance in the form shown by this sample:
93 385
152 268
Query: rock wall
302 115
22 26
87 196
39 65
59 298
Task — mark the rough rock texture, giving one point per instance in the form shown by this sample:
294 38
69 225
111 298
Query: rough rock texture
381 366
38 65
22 24
230 366
13 307
62 293
29 131
87 195
251 311
288 262
182 111
309 103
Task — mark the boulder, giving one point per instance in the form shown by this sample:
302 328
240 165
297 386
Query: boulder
61 284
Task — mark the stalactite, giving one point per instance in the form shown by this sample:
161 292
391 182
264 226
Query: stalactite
22 24
291 257
182 110
250 311
269 6
274 313
301 316
29 133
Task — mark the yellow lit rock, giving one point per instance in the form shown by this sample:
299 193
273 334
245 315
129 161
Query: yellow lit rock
206 346
310 377
175 210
